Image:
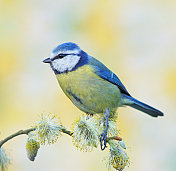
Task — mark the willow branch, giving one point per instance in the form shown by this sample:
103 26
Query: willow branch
64 130
114 138
21 132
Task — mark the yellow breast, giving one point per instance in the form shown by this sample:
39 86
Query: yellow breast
88 91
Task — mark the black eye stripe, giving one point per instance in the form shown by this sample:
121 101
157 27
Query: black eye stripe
60 56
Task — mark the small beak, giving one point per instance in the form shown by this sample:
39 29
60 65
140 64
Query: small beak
47 60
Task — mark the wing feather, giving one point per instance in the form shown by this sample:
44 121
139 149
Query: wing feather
102 71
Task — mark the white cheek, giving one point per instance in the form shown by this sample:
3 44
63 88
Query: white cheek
65 64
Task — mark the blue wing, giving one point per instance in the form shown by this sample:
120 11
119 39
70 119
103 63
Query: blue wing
102 71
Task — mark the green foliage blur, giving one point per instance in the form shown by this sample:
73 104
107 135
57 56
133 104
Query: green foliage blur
135 39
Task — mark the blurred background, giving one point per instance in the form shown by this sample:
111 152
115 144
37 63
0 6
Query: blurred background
135 39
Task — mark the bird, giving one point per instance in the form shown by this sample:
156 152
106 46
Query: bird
90 85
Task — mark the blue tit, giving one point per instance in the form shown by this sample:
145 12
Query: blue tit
90 85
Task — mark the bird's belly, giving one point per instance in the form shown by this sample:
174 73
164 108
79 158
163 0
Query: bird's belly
89 92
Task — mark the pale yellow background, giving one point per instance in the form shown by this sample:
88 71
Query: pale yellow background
136 39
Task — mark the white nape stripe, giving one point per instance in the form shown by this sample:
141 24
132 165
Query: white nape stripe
75 51
65 64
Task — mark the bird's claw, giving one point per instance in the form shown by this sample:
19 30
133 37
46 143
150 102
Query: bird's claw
103 137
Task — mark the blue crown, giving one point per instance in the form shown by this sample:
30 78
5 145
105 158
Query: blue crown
66 46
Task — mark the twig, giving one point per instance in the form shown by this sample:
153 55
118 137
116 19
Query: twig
64 130
114 138
16 134
21 132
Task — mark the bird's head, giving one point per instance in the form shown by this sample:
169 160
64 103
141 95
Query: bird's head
66 57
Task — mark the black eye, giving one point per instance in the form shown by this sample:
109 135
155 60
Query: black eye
59 56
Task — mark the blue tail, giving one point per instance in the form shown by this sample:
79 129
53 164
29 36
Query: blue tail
143 107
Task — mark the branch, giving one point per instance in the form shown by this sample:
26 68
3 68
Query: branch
64 130
21 132
16 134
114 138
85 137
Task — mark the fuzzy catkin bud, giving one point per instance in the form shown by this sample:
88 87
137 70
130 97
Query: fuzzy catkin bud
85 133
118 158
48 129
32 147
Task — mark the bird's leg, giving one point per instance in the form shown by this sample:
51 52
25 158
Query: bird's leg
103 136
